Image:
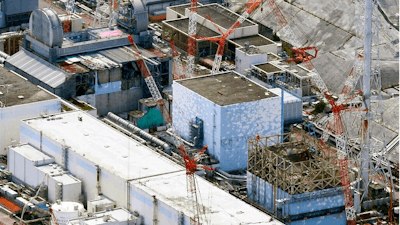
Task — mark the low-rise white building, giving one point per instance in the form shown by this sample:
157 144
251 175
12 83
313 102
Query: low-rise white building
20 99
131 174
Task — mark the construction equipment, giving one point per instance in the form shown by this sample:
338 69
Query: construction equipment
191 48
178 68
151 84
191 167
253 4
289 34
301 54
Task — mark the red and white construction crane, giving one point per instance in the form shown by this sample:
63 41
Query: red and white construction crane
178 73
293 39
252 4
191 167
335 122
191 47
151 84
301 54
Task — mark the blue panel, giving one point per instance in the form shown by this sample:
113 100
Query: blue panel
107 88
226 129
188 105
240 122
262 193
333 219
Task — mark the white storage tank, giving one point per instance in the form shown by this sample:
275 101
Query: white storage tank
64 211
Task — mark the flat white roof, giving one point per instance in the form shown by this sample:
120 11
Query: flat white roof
66 179
51 169
116 215
31 153
166 180
103 145
220 206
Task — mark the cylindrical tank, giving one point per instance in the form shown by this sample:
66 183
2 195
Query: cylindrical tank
64 211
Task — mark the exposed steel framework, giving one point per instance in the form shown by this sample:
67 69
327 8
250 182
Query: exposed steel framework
335 123
286 161
151 84
252 4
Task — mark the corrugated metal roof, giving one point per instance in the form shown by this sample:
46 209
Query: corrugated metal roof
125 54
38 68
119 55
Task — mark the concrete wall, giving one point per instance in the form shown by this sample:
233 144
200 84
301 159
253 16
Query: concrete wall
117 102
227 128
333 219
80 167
172 14
144 204
10 119
20 6
188 105
25 169
268 196
244 61
237 33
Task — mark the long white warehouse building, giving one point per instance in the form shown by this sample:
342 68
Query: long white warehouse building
129 173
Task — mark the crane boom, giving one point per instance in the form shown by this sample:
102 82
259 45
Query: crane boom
151 84
177 62
293 39
221 40
337 122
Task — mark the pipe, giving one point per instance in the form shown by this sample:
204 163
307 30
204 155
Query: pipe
118 127
4 55
134 129
181 139
230 176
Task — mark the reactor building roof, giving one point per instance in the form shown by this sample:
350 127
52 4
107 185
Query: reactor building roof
16 90
221 15
219 206
227 88
144 168
103 145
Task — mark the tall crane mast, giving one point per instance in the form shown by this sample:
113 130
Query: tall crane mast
191 48
374 159
336 122
151 84
221 40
